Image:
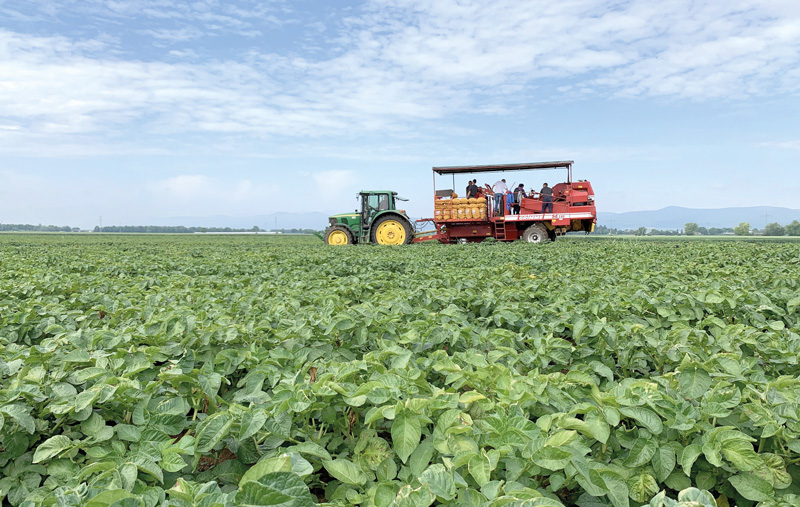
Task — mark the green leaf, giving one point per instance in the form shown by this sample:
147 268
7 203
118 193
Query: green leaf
148 466
283 489
689 456
414 497
86 398
752 487
642 486
663 463
777 325
252 422
385 495
171 461
552 458
267 466
598 427
471 397
480 469
106 498
93 425
421 457
641 453
694 382
561 438
21 416
741 454
128 432
172 406
440 481
616 487
406 433
128 474
387 471
210 383
51 447
677 481
645 417
213 429
311 449
346 471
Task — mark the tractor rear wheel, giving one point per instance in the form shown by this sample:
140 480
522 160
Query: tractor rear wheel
536 233
392 230
338 235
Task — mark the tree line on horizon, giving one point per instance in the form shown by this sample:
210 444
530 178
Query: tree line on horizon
693 229
145 229
743 229
170 229
37 228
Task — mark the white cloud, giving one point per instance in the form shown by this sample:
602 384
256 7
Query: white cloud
179 35
785 145
395 66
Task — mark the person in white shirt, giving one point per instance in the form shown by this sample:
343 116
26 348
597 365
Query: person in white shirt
500 190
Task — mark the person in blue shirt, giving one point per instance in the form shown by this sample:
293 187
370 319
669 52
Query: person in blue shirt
509 202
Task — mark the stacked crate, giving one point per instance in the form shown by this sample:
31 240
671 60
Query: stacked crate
459 209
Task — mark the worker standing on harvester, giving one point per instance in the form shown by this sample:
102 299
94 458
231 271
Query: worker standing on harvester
500 189
472 189
519 193
547 198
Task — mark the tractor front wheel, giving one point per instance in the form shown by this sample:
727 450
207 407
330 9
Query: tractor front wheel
536 233
338 235
392 230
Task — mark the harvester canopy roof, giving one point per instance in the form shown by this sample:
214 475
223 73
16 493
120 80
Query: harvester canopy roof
567 164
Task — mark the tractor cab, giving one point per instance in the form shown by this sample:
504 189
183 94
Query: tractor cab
378 221
373 202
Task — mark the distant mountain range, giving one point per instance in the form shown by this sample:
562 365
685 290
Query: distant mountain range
674 217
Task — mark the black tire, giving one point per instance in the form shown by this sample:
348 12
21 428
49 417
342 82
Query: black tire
551 234
333 236
392 230
536 233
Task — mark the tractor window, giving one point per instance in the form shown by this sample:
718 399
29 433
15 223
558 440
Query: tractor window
370 207
373 201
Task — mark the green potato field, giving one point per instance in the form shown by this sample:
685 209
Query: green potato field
260 370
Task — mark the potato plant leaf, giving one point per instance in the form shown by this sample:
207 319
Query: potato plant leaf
406 433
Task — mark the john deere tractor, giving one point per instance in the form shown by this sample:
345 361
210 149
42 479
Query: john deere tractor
379 222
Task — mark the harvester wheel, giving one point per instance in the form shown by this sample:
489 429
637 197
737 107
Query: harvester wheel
338 235
536 233
392 230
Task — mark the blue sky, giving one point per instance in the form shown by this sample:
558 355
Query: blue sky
137 110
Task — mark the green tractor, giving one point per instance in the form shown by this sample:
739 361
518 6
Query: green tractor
379 222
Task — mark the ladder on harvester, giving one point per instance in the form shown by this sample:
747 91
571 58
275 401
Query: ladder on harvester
500 230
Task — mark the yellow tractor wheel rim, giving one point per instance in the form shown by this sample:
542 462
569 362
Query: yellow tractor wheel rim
391 232
337 238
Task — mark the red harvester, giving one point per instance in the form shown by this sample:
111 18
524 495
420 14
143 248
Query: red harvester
457 219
